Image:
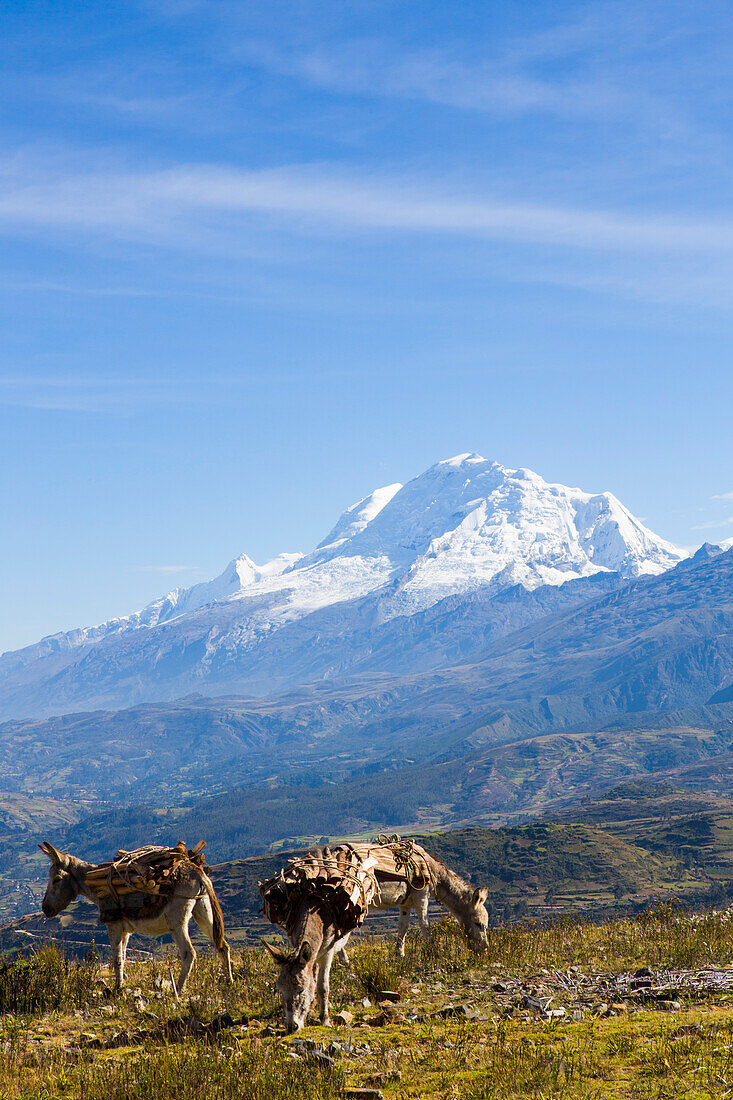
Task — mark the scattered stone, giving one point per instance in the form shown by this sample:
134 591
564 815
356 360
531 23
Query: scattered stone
366 1003
644 972
118 1039
389 995
344 1018
669 1006
452 1010
386 1077
689 1029
321 1058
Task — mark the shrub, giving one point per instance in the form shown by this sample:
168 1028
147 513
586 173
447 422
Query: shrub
46 980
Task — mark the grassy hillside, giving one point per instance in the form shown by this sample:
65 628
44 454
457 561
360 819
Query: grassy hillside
561 1012
487 783
691 827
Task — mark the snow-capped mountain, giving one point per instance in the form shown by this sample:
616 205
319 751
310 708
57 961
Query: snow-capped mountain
466 525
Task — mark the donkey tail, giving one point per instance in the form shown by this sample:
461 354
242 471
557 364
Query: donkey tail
217 915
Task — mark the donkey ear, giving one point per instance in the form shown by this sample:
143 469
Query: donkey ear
59 858
306 952
277 952
480 896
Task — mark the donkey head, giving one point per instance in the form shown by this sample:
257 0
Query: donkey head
475 919
296 982
62 885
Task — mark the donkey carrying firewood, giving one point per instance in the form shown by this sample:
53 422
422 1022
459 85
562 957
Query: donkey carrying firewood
317 900
466 903
192 896
411 890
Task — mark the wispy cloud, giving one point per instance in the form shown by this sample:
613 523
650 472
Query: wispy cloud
438 76
723 496
69 393
166 202
610 61
713 524
167 569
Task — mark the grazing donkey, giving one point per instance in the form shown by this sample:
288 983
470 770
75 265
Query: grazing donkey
449 889
306 969
193 897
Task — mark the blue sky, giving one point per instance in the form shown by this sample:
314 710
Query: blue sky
260 258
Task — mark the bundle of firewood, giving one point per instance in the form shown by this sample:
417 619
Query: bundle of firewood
342 879
398 858
149 870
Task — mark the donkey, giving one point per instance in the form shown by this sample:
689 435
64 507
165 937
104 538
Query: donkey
194 897
449 889
306 970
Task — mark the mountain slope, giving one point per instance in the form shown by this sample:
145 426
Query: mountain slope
466 530
631 658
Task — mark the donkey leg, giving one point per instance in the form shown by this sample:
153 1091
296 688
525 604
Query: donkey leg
323 985
182 940
422 900
402 928
118 938
204 919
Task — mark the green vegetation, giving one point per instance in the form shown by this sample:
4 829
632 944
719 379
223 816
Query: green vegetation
456 1026
47 980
